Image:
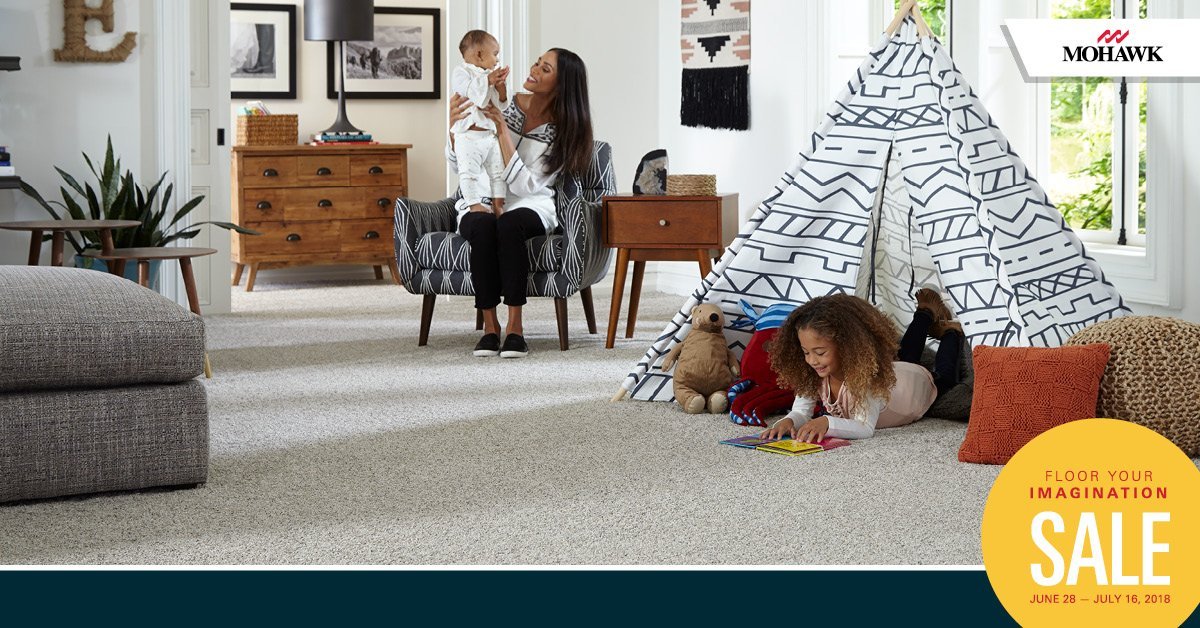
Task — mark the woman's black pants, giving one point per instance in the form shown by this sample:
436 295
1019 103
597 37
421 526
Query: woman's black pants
499 260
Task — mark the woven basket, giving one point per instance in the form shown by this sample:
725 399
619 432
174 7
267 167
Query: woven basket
691 185
274 130
1153 367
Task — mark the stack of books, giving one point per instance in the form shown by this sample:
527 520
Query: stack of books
339 139
6 167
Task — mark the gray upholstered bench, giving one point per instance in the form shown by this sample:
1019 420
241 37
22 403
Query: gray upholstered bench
97 386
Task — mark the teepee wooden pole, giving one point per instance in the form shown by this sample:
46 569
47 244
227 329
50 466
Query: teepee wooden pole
923 29
905 9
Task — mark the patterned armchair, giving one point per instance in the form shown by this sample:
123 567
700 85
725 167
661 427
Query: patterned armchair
434 259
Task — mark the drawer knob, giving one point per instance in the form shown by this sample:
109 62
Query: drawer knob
270 172
371 235
375 170
383 202
664 222
324 172
263 205
293 237
324 203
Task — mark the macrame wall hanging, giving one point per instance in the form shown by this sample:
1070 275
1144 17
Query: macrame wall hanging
716 64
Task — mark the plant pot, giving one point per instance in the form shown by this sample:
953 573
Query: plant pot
131 269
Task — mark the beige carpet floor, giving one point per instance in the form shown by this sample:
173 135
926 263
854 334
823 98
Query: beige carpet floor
335 439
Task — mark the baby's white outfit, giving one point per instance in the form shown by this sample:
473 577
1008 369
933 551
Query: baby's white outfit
480 166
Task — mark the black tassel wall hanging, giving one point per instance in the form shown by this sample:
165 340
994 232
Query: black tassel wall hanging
716 64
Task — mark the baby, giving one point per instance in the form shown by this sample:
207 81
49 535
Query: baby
480 167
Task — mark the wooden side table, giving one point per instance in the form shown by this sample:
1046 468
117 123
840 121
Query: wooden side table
647 228
143 256
59 228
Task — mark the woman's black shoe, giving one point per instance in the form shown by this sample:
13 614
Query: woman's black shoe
514 347
488 346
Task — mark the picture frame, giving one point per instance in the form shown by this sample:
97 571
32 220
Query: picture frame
408 63
262 51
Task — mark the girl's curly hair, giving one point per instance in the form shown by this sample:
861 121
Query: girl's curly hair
866 342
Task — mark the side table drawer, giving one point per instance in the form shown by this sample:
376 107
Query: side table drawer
262 204
271 171
663 222
292 238
374 234
321 203
379 170
323 169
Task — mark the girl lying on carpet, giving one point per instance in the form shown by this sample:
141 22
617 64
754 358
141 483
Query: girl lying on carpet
841 350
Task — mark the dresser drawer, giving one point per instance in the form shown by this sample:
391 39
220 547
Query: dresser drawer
292 238
270 171
379 170
323 170
379 202
373 234
321 203
262 205
663 222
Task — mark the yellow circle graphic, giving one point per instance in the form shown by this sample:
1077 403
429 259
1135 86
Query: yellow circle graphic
1097 523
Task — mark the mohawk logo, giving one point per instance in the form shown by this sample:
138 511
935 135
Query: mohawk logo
1110 53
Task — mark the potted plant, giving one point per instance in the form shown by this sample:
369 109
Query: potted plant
117 196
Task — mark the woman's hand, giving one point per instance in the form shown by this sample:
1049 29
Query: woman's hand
813 431
783 428
458 111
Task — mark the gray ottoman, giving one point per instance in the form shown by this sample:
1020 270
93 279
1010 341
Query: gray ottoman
97 386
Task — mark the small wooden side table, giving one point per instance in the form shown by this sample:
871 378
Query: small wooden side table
143 256
647 228
59 228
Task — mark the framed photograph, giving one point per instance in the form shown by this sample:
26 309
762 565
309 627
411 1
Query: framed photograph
262 50
404 60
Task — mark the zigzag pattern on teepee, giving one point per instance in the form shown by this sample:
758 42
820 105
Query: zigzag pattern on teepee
906 182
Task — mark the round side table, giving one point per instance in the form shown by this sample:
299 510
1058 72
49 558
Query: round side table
59 228
143 256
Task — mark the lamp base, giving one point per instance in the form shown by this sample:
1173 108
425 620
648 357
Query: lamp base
342 124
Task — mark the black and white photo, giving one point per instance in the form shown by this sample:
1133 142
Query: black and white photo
262 51
403 60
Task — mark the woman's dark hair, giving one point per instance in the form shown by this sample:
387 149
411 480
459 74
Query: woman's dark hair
572 147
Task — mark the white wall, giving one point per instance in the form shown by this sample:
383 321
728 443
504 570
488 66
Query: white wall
618 41
45 118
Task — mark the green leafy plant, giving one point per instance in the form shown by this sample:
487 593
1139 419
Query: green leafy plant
117 196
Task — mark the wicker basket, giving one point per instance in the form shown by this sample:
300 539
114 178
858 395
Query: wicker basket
273 130
691 185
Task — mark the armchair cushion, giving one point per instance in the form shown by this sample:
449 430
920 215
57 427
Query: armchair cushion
443 250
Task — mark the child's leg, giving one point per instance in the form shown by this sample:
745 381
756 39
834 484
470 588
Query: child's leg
945 364
913 342
495 170
473 180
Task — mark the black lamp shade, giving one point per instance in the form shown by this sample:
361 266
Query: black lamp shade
339 20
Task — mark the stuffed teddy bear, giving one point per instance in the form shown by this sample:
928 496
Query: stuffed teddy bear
704 365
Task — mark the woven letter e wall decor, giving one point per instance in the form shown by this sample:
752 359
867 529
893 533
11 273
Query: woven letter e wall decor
716 64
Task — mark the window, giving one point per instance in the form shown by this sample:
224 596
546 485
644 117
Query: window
1097 146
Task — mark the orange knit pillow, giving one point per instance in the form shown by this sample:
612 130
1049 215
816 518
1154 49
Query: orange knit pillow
1021 392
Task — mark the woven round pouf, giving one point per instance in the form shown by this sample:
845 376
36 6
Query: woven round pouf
1153 375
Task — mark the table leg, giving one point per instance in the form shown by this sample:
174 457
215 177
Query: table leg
705 263
56 248
635 296
35 247
250 279
117 267
237 273
378 272
106 242
144 273
614 310
189 282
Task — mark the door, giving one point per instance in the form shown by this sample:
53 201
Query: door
210 140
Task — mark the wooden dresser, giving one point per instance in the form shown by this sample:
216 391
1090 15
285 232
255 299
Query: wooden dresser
316 205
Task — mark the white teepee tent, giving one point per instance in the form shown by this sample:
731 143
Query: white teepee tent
906 182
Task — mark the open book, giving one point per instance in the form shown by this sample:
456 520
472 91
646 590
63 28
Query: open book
787 447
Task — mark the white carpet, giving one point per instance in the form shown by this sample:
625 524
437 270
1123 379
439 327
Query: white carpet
335 439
